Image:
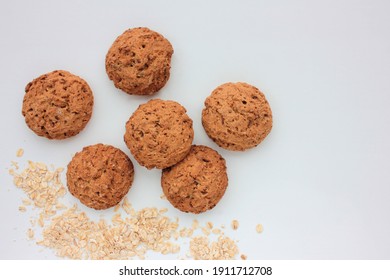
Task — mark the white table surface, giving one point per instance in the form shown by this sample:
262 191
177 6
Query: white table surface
319 183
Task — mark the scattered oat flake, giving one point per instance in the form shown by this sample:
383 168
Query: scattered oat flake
26 202
235 224
216 231
209 225
259 228
22 209
195 224
60 206
15 165
30 233
117 207
206 231
20 152
163 197
186 232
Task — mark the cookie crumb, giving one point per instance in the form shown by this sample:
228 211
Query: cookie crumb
259 228
235 224
243 257
20 152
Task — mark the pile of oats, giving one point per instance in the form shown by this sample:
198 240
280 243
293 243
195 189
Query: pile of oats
223 249
73 235
43 188
130 233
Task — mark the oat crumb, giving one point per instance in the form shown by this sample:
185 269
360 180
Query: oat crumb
243 257
259 228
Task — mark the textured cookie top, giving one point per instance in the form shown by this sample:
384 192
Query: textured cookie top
100 176
159 134
237 116
57 105
198 182
139 61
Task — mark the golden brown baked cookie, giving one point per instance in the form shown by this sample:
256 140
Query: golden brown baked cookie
57 105
237 116
139 61
100 176
159 133
198 182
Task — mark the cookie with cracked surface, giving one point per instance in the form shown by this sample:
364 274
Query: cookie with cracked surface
100 176
139 61
57 105
159 133
198 182
237 116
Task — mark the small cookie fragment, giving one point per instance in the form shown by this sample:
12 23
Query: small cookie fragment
237 116
159 134
139 61
57 105
100 176
198 182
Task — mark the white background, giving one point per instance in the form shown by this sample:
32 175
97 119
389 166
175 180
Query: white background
319 183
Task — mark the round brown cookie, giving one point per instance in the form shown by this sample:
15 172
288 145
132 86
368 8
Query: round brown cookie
139 61
198 182
237 116
100 176
57 105
159 133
